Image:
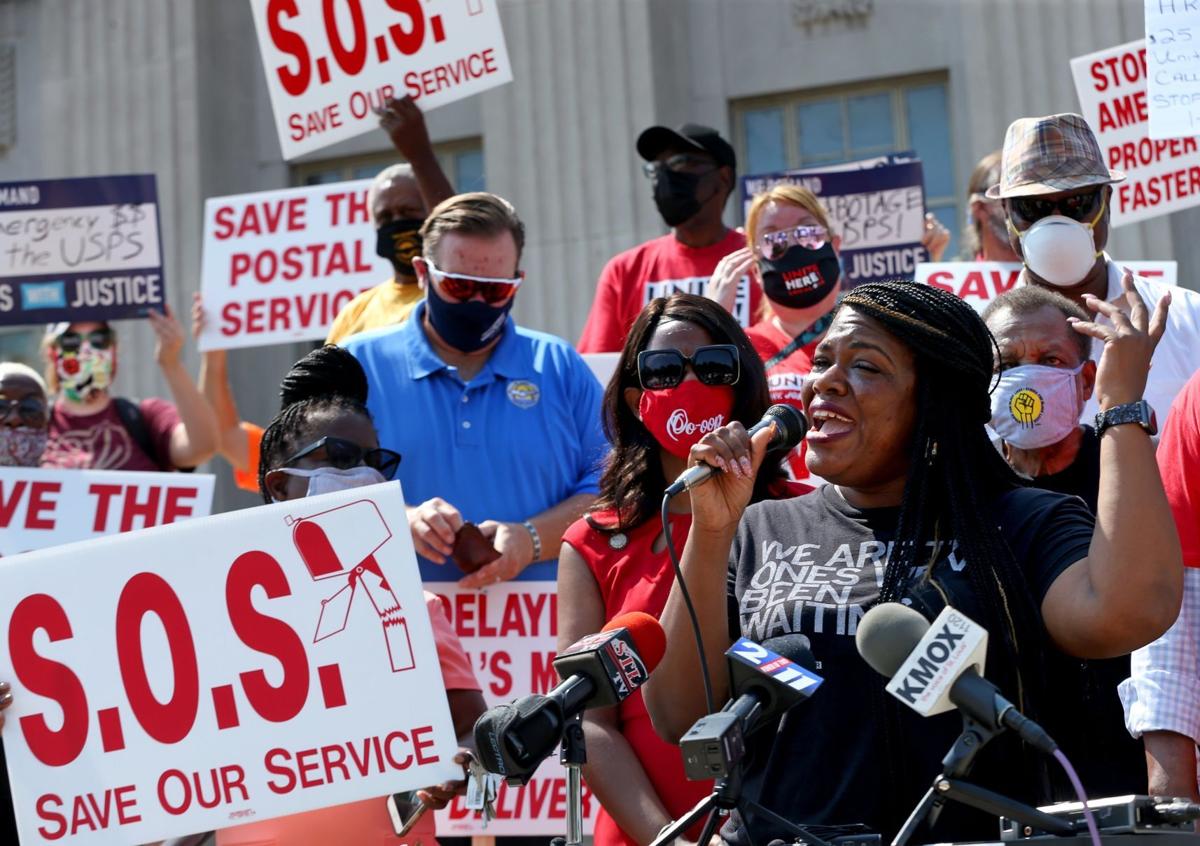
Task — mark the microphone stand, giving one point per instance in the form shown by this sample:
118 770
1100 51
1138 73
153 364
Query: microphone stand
947 785
573 756
726 797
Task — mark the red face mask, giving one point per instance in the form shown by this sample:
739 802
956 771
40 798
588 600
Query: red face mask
679 417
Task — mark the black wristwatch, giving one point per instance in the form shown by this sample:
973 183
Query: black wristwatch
1138 412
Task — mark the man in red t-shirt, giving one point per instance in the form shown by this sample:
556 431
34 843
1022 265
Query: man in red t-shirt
1162 697
694 170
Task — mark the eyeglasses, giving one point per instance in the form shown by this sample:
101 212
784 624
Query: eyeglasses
461 287
1078 207
680 163
717 364
773 245
97 339
31 411
344 454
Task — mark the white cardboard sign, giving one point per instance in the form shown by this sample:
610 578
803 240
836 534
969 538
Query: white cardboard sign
329 65
1173 67
240 667
509 633
1163 176
41 508
279 265
980 282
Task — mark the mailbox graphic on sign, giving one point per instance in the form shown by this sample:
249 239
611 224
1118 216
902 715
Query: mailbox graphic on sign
360 531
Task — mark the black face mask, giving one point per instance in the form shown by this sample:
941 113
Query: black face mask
675 196
801 277
399 241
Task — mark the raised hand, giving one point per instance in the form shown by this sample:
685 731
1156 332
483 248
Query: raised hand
722 287
1129 342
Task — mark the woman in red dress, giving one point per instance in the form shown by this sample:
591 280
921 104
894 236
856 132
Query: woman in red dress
687 369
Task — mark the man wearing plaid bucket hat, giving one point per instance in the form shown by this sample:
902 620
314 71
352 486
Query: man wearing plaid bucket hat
1056 188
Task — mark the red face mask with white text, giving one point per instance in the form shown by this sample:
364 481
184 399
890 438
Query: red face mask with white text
679 417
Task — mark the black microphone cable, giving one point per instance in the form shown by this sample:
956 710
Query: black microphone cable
687 601
793 426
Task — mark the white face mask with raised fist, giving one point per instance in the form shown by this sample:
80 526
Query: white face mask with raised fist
1035 406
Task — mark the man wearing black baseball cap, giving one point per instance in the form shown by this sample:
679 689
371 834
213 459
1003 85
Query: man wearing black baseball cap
693 171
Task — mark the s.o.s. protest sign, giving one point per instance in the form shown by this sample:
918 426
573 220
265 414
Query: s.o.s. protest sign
279 265
41 508
216 671
79 249
330 64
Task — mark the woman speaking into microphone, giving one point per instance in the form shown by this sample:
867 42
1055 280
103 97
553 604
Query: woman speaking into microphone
919 509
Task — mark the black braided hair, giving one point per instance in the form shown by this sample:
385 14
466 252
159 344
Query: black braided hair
324 371
955 471
954 477
328 379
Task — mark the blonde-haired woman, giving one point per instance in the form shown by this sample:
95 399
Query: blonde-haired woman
791 252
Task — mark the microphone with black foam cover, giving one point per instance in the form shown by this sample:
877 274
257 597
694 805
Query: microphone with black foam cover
935 668
790 426
596 671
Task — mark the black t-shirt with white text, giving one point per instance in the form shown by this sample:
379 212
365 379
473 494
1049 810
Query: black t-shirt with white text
813 565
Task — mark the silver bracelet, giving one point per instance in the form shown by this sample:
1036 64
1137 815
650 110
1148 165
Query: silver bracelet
537 539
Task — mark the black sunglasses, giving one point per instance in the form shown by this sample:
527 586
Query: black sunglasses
30 410
1078 207
717 364
98 339
344 454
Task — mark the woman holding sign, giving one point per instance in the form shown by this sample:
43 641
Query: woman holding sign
920 510
90 429
324 441
792 253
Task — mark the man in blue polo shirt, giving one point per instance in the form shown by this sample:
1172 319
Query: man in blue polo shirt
498 425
